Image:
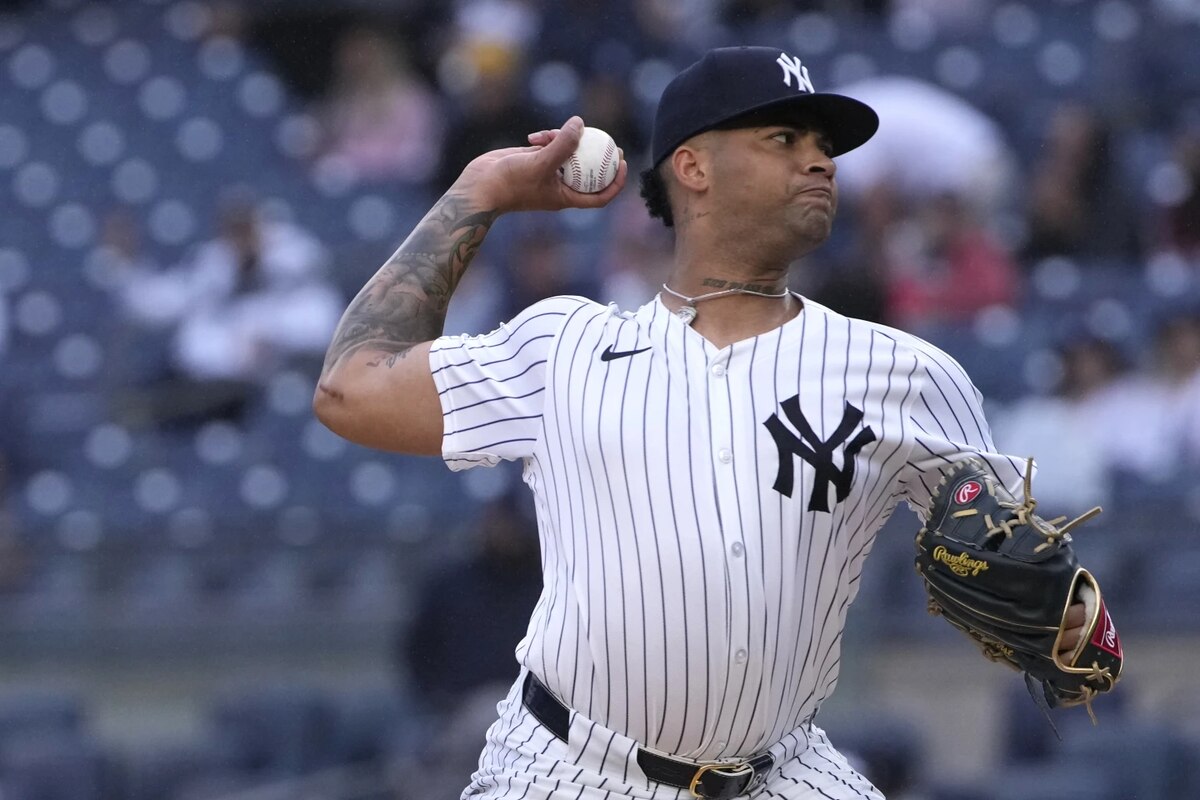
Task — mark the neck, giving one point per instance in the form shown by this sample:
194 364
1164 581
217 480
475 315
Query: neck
706 262
699 269
701 257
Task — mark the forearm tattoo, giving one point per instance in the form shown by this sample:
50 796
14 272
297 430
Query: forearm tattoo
405 302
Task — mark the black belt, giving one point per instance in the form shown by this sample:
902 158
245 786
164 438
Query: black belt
712 781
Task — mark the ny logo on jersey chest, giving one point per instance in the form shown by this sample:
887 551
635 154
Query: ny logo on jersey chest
817 452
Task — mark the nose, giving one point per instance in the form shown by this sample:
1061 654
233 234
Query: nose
821 164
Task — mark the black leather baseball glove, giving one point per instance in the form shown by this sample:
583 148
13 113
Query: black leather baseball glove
1006 577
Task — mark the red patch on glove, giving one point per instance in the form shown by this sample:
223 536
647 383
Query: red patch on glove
1105 636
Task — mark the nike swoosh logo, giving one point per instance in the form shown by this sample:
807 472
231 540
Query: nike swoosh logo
609 354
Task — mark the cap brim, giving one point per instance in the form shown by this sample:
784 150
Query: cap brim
848 123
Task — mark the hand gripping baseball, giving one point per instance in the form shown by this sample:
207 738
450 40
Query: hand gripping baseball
526 178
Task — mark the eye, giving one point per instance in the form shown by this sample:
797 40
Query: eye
784 137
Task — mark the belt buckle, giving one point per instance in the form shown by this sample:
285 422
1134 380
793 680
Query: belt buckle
725 770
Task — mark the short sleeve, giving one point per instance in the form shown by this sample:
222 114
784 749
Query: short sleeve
492 387
948 425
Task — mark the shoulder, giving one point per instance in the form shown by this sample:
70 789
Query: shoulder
541 319
529 337
562 307
909 343
910 349
571 304
555 315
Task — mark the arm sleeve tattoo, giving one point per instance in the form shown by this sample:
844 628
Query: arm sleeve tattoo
405 302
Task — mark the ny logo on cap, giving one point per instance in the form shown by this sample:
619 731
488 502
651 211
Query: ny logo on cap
791 66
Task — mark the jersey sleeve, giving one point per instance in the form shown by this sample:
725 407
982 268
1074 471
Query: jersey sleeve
492 387
948 425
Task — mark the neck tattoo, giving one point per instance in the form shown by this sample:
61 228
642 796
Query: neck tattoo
688 312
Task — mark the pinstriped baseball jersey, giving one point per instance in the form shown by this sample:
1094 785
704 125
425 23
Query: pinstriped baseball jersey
704 512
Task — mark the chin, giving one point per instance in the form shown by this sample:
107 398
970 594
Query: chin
811 233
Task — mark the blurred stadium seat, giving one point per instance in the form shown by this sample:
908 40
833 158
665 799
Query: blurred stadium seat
55 767
27 712
164 587
1171 593
372 724
163 769
1056 782
276 729
1136 760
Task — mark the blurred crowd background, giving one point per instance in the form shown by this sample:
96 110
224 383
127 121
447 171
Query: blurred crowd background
205 595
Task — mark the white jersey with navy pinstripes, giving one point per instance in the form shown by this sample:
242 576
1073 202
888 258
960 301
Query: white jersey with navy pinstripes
704 512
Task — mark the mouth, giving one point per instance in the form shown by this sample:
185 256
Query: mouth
817 191
820 196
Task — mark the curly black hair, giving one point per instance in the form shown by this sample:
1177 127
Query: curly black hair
654 192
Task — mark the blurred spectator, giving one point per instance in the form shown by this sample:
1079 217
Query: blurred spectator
259 297
245 304
508 24
637 255
122 260
1066 433
14 558
541 263
1079 200
479 301
380 117
226 19
1158 407
930 142
591 37
606 104
943 266
493 110
674 30
471 615
848 274
1181 225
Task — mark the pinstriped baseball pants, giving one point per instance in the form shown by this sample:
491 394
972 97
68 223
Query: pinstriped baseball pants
523 760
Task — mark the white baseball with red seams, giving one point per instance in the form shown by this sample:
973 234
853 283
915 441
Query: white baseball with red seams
593 165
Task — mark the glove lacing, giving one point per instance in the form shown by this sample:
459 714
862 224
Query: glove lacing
1053 530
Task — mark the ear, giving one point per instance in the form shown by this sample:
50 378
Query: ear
689 163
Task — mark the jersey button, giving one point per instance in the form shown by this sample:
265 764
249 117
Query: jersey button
740 656
737 549
724 455
718 371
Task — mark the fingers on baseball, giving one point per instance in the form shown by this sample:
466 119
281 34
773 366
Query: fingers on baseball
563 141
601 198
1075 622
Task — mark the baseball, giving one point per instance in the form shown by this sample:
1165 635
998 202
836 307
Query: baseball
593 165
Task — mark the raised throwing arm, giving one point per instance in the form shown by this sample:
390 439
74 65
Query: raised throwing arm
376 388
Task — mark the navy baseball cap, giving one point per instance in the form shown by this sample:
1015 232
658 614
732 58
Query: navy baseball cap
729 82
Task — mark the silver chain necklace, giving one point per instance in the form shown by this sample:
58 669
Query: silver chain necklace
688 313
